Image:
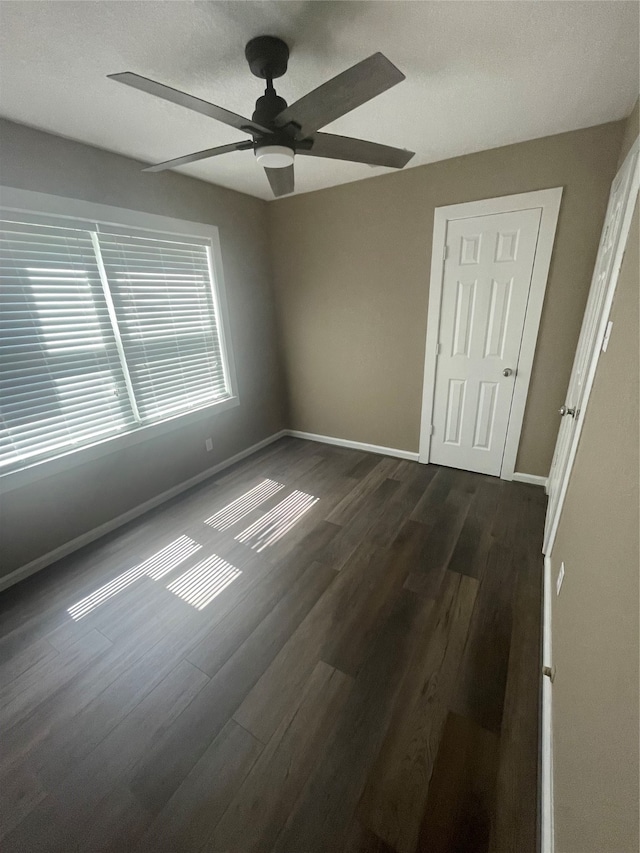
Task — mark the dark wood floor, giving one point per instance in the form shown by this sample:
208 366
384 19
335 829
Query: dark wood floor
367 682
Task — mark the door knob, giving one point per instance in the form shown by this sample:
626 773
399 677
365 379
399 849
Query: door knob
565 410
507 371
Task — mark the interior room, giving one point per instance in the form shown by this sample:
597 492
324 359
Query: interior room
319 452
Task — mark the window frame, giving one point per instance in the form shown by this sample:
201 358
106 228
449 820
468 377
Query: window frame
77 213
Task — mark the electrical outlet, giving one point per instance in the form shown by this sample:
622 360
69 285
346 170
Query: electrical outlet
209 444
560 579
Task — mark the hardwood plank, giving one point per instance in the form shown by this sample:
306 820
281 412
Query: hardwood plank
363 466
349 606
54 729
38 652
340 774
393 801
189 818
65 817
434 495
483 673
34 685
64 732
351 502
260 808
516 823
459 811
360 614
162 771
399 506
116 824
357 527
472 548
318 636
445 519
219 644
22 791
361 840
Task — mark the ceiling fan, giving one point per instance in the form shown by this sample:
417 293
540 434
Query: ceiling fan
280 131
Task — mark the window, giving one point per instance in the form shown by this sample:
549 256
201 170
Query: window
103 330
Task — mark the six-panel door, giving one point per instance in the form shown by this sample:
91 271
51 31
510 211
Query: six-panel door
486 282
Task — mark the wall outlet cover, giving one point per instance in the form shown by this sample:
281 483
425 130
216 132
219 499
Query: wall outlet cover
560 579
209 444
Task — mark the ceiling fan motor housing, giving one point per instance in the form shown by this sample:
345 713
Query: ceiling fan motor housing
268 106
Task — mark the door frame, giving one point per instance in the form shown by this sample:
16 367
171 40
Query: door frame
549 202
596 318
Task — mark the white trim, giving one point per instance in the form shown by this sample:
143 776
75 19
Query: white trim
546 724
355 445
89 215
63 207
599 332
532 479
91 535
549 201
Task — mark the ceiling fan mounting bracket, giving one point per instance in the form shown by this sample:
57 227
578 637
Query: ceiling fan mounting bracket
267 57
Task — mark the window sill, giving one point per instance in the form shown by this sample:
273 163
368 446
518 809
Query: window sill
52 466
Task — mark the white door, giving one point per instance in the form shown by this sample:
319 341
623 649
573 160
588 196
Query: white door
605 274
485 288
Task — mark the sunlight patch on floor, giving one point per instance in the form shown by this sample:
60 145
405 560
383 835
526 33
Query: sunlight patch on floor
233 512
158 565
206 580
273 525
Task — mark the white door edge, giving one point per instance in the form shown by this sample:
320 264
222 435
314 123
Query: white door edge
630 161
549 202
546 723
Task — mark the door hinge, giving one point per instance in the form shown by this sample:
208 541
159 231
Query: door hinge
431 430
438 349
445 253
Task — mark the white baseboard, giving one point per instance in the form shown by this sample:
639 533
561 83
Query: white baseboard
91 535
532 479
546 775
355 445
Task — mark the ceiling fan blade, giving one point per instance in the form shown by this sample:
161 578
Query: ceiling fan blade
200 155
341 94
188 101
357 150
281 180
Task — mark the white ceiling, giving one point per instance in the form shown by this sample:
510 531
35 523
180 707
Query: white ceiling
479 74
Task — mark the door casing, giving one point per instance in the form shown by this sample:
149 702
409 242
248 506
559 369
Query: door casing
549 202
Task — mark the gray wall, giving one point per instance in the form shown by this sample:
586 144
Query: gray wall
352 266
38 518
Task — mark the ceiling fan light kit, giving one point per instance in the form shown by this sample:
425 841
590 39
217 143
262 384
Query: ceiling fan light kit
279 131
275 156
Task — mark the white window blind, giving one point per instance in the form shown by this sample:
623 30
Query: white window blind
100 334
61 381
163 299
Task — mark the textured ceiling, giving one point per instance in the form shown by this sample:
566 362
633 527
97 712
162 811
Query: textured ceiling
479 74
